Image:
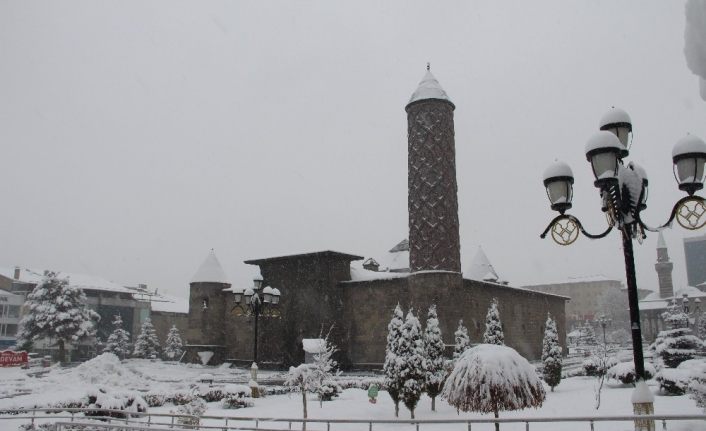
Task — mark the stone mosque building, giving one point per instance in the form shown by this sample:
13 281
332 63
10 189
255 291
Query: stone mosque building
323 290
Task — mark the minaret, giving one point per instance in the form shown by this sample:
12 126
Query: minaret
432 201
664 269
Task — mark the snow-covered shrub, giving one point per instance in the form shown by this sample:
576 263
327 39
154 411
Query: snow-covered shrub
219 393
180 397
173 345
675 346
462 341
673 381
194 409
434 353
493 327
412 367
391 367
101 400
493 378
155 399
551 354
697 385
118 342
328 390
360 383
147 343
236 401
597 365
625 372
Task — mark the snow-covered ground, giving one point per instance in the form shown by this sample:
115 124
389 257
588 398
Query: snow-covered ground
573 397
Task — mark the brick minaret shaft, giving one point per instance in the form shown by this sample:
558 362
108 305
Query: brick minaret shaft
664 269
432 190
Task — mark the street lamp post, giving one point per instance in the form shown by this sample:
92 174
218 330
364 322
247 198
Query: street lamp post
623 190
604 321
252 302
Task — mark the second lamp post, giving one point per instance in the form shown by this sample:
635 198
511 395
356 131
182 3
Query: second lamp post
252 302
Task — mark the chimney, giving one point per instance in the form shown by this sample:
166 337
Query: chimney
17 273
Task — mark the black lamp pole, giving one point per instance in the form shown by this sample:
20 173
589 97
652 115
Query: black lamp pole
633 302
257 303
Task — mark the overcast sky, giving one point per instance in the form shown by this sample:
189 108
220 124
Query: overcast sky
136 136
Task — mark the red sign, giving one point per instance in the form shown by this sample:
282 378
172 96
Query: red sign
9 358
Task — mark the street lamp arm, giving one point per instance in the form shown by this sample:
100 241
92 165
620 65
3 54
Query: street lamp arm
565 229
689 211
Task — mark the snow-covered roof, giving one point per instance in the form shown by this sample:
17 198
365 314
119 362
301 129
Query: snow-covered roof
401 246
690 291
169 304
82 281
210 271
480 268
429 88
314 345
358 273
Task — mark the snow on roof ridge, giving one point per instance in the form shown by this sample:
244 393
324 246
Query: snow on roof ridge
82 281
210 271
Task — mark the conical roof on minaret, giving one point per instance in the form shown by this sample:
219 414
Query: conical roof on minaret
429 88
481 269
210 271
660 241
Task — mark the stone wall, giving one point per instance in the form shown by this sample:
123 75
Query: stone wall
163 321
522 312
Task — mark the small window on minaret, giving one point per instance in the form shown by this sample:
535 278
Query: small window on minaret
205 303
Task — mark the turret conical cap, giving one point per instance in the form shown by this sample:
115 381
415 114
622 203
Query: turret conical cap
429 88
210 271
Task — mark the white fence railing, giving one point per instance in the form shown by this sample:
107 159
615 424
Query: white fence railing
74 419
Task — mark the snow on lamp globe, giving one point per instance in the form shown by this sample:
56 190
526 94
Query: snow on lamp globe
689 156
559 180
604 151
618 122
267 294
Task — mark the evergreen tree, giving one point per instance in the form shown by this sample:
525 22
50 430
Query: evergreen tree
461 340
493 327
588 335
677 344
391 367
147 344
434 347
701 326
173 346
413 363
325 369
58 310
551 354
119 340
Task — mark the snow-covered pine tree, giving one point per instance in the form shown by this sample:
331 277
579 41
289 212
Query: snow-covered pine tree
461 340
551 354
701 326
493 327
173 346
324 371
413 363
434 347
588 335
57 309
119 340
677 344
147 343
391 368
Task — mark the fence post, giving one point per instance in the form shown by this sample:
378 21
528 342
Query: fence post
526 426
172 425
34 413
370 426
328 426
591 425
469 426
72 416
664 424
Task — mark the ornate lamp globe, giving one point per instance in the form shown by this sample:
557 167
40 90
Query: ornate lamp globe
257 282
604 151
238 294
275 296
267 294
249 292
618 122
559 180
689 156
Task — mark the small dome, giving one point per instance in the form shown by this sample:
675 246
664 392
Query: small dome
614 116
557 169
603 139
429 88
689 144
